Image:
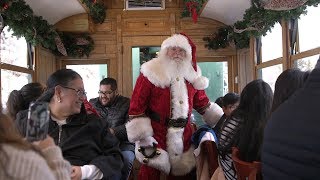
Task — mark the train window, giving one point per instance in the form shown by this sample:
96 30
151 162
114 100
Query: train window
309 36
272 44
270 74
15 69
12 80
13 50
307 63
141 55
217 73
91 74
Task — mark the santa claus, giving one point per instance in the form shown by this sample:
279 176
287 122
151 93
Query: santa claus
167 89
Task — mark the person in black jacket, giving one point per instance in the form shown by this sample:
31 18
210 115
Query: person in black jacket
113 108
85 142
291 148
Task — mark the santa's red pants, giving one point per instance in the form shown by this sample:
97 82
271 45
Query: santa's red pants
149 173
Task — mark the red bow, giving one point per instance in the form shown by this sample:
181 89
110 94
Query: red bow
192 7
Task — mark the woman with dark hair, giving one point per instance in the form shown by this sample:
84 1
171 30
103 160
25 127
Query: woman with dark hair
19 100
22 160
287 83
84 139
244 129
291 148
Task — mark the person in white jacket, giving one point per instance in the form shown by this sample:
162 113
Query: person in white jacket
20 159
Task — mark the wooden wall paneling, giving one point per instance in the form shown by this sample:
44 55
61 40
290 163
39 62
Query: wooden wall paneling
172 23
45 64
76 23
203 28
122 30
114 4
105 46
173 3
285 45
252 55
119 54
235 73
146 23
245 68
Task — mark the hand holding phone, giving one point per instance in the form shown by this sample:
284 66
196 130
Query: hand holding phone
38 121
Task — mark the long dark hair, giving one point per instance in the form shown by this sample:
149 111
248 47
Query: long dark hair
19 100
254 110
61 77
287 83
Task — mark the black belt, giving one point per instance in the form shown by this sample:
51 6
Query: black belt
178 123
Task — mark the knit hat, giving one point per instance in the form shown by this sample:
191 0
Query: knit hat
183 41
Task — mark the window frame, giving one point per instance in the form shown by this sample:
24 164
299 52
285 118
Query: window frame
27 70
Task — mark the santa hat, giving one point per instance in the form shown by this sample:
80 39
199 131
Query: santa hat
183 41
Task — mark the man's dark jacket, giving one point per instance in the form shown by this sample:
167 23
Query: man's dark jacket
83 141
291 145
116 115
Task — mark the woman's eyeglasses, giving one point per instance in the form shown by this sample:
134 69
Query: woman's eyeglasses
80 93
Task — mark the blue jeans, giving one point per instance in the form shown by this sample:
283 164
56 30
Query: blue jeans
128 158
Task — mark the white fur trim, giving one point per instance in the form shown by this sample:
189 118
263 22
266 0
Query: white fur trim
201 83
179 98
156 73
175 142
184 163
212 114
160 162
139 128
181 162
177 40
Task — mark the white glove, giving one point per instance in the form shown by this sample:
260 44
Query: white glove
147 142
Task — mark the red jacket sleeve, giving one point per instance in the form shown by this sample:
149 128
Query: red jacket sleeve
201 101
141 96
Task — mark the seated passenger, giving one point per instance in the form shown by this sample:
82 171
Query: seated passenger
230 102
113 108
91 149
219 101
291 145
244 129
22 160
19 100
287 83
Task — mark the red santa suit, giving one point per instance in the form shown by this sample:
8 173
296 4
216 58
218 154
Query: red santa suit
163 98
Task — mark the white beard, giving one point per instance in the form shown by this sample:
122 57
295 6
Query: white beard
162 71
177 67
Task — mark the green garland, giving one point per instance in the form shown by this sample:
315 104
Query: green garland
73 49
258 19
97 11
20 18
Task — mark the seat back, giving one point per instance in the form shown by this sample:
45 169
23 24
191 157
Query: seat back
245 170
209 149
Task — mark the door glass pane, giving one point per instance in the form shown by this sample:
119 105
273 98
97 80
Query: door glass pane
141 55
91 74
309 36
217 73
270 74
13 50
272 44
307 63
12 80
